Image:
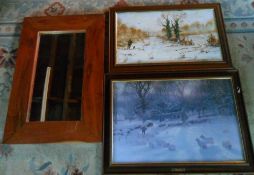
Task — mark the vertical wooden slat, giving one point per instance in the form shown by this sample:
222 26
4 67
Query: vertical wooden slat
69 73
48 77
45 95
52 59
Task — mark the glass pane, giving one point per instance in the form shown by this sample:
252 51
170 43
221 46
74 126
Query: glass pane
58 80
174 121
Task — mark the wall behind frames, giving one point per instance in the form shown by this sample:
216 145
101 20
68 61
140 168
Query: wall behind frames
65 158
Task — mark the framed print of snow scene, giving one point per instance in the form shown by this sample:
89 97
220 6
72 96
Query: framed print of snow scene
168 35
173 123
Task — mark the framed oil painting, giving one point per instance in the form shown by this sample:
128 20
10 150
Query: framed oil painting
169 36
176 122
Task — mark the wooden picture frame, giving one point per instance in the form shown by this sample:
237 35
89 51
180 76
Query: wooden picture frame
140 41
19 128
148 133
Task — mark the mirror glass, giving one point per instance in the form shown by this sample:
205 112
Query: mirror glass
59 77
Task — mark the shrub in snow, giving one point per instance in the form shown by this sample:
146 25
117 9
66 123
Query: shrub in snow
213 41
227 144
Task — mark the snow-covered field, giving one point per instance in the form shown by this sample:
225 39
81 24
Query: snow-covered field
156 50
214 139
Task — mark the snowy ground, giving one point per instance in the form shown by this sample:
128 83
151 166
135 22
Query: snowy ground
155 50
208 140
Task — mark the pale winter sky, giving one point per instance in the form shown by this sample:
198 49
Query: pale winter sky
150 21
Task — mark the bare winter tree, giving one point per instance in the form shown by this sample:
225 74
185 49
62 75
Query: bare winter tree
180 87
142 89
166 23
171 24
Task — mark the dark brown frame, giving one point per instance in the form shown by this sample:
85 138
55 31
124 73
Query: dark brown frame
89 128
170 66
192 167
